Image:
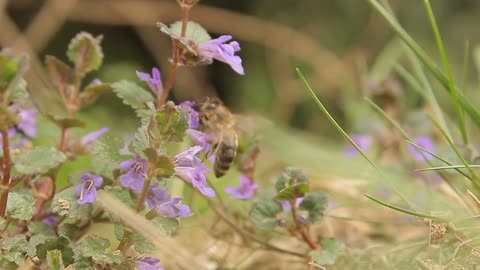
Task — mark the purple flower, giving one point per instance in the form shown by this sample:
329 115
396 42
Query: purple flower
28 122
363 141
136 170
193 121
200 138
173 210
88 189
154 81
287 206
149 263
222 51
245 191
156 197
424 142
91 137
52 220
190 168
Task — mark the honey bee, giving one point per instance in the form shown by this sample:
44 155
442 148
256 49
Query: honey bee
215 118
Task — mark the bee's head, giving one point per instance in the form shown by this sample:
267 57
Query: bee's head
208 104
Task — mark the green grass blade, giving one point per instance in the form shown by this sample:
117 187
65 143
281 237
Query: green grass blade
457 152
426 60
405 211
451 167
446 66
332 120
437 157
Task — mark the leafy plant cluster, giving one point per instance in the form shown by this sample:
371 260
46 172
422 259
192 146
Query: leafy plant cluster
44 224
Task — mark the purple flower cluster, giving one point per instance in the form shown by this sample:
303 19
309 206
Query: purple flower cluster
190 168
220 50
149 263
154 81
25 128
164 204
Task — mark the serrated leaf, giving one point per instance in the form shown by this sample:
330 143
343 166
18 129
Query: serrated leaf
15 256
122 194
62 75
20 206
132 94
38 160
65 121
168 225
19 93
65 204
94 247
108 148
289 177
16 243
264 214
142 140
61 244
34 241
91 93
118 231
331 250
293 192
85 52
315 204
172 122
140 243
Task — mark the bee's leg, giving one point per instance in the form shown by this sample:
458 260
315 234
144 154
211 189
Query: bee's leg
210 152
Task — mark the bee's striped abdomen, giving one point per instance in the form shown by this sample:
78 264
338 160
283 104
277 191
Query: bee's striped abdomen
225 153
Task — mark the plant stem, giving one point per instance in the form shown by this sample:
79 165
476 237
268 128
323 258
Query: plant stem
5 171
300 228
176 59
141 200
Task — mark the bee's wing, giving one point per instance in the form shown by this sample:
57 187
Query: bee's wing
251 125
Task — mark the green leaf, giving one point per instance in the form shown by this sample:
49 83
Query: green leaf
164 167
38 160
172 122
15 243
107 148
37 227
264 214
292 184
140 243
331 250
142 140
62 75
19 93
65 121
315 203
132 94
54 260
168 225
92 92
20 206
122 194
85 52
61 244
70 230
34 241
14 256
194 31
65 204
118 231
94 247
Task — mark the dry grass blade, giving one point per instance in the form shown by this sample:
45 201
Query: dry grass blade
140 224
